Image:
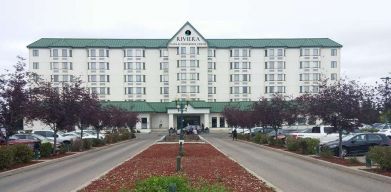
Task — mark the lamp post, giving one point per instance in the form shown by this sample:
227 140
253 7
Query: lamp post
181 105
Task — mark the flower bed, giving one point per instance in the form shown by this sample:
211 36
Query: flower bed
201 162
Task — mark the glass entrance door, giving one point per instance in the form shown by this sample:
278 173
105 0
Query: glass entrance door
188 120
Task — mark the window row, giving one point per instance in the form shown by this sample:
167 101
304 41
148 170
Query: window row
188 63
134 66
188 89
211 78
275 65
275 77
309 52
163 65
98 65
309 77
188 50
309 64
275 89
98 78
240 65
309 89
134 78
240 90
164 90
98 53
240 77
211 90
240 53
61 78
99 90
135 90
58 53
274 52
58 65
134 53
188 76
211 65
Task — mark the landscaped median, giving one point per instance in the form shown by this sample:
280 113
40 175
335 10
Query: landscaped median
204 168
17 156
307 149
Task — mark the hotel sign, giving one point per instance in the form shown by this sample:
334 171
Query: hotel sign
188 38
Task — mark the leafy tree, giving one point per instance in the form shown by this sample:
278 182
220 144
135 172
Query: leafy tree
57 107
14 96
340 104
384 99
239 118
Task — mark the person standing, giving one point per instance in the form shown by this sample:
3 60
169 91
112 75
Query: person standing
234 135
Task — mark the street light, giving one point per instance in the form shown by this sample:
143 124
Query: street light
181 105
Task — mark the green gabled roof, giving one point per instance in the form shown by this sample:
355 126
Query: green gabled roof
161 107
162 43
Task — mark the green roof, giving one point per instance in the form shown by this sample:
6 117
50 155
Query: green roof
162 43
161 107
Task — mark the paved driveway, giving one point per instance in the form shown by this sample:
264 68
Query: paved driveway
291 174
70 174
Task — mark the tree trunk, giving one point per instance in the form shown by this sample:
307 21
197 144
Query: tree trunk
97 133
54 140
340 142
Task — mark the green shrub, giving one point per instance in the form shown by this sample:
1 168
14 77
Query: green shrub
125 136
98 142
162 183
87 144
22 153
64 148
6 157
76 145
382 156
370 130
354 160
46 149
326 153
292 144
259 138
308 145
245 137
275 142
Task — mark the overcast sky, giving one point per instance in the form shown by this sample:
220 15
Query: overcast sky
363 27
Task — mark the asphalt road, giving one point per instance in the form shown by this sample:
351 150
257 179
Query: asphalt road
291 174
70 174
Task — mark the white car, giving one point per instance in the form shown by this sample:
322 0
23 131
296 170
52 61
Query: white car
49 134
85 135
386 132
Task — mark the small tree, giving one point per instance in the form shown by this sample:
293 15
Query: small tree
101 118
56 107
340 104
14 97
239 118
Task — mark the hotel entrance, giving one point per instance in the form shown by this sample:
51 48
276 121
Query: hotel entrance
188 120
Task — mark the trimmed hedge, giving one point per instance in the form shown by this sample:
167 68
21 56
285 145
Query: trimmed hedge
382 156
260 138
46 149
292 144
87 144
275 142
22 153
98 142
76 145
6 157
305 146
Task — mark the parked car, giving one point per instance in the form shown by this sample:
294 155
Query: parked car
357 143
85 135
50 135
386 132
69 136
30 136
323 133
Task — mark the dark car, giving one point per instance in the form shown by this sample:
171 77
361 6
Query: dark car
358 143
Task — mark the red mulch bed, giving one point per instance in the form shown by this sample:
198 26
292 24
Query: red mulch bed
201 161
336 160
56 156
19 165
379 171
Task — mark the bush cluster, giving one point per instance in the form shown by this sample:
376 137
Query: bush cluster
46 149
382 156
10 155
87 144
326 152
163 183
260 138
275 142
305 146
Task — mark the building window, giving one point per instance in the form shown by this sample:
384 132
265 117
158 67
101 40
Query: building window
163 90
65 78
163 53
35 53
55 65
315 52
192 50
280 52
35 65
333 64
55 52
64 53
280 65
222 122
333 52
271 52
315 64
93 66
211 65
211 53
333 76
55 78
244 52
92 53
236 52
163 65
183 50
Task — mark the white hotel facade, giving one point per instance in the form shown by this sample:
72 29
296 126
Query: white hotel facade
148 75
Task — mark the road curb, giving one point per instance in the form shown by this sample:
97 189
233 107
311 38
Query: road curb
49 162
378 177
104 173
269 184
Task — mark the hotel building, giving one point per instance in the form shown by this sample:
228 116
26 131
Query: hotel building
148 75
